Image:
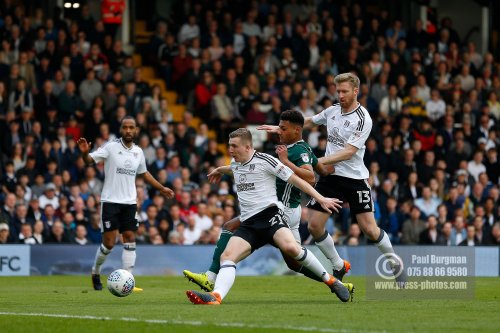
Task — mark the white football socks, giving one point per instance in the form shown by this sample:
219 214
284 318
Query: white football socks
100 257
225 278
384 243
128 256
211 276
309 260
326 245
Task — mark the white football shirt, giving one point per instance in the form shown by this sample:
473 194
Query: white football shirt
121 166
347 128
255 182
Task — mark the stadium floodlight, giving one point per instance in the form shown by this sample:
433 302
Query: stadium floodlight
67 5
76 5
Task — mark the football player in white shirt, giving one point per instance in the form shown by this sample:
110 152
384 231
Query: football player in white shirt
348 126
123 161
262 220
298 156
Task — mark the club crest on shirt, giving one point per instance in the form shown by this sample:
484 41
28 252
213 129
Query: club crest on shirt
252 167
305 157
346 124
135 155
242 178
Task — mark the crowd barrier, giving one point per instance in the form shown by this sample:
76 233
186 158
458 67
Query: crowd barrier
24 260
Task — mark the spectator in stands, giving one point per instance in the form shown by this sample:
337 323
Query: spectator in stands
427 204
412 228
458 232
430 235
57 234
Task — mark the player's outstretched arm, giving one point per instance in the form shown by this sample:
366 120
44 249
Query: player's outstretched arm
324 169
216 174
148 178
328 204
84 147
308 123
342 155
269 128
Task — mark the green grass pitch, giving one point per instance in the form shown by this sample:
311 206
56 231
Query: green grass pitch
255 304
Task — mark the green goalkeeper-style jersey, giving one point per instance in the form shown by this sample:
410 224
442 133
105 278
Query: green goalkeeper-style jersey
299 153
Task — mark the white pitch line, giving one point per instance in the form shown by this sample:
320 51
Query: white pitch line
189 323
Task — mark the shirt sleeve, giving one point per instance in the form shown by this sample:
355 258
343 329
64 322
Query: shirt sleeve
142 166
302 156
278 169
360 133
101 154
320 118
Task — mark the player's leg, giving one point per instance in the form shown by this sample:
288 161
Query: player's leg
109 229
228 230
284 239
368 225
128 227
361 204
292 215
317 221
330 187
206 280
237 249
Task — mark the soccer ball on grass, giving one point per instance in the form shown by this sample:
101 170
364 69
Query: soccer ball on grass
121 283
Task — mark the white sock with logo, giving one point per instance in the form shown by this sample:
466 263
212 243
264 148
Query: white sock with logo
309 260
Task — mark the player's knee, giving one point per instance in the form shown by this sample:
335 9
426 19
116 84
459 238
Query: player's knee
315 230
226 255
292 249
128 237
108 244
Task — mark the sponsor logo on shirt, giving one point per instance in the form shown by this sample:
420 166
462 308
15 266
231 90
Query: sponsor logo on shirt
123 171
335 138
245 187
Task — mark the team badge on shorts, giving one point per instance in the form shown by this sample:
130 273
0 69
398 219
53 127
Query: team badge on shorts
107 224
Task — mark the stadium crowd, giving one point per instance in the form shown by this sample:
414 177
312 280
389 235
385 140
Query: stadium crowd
433 153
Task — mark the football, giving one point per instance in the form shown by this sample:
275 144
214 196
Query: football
121 283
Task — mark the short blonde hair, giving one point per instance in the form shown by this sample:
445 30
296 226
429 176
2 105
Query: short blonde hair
244 134
347 77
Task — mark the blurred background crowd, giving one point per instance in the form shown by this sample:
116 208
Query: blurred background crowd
433 97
